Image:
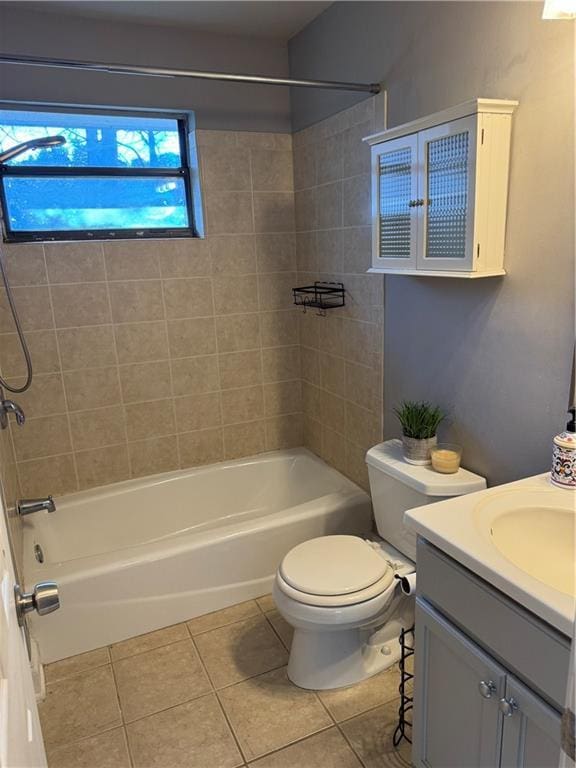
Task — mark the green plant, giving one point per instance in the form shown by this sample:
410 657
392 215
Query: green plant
419 419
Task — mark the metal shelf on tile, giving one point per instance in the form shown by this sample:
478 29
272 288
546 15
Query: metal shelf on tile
405 688
321 296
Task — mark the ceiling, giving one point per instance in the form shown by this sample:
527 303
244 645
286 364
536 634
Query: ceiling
275 19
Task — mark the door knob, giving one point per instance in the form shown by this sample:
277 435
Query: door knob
43 599
507 706
486 689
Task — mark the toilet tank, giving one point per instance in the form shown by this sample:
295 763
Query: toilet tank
397 486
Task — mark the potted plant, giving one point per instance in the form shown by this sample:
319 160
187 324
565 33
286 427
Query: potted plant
419 422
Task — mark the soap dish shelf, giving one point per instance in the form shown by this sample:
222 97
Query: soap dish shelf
320 296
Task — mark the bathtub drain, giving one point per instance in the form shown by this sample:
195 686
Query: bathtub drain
38 554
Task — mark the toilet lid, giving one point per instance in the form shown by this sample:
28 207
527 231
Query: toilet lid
334 565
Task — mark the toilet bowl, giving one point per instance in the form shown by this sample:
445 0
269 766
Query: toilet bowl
341 594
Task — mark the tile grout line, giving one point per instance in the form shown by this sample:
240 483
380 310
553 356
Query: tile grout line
170 358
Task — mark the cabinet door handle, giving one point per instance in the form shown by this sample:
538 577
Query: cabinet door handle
486 689
507 706
412 203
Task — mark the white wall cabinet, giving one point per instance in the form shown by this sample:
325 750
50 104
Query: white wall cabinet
439 192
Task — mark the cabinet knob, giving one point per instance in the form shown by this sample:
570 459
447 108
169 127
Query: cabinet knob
412 203
507 706
486 689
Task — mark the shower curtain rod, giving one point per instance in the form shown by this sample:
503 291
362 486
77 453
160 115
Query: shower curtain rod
127 69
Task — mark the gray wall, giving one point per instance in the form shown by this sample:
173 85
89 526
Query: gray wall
218 106
495 352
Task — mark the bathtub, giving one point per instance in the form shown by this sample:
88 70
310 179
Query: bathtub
136 556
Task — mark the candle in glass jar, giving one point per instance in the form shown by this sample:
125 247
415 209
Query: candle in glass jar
446 459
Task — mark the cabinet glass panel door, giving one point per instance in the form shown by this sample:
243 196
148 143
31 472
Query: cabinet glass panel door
395 202
447 154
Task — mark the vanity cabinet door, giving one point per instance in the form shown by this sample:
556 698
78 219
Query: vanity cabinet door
457 720
531 736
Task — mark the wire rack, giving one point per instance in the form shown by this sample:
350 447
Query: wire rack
321 296
405 688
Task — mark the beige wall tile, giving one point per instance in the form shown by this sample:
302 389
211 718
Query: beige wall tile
149 457
329 205
313 436
283 397
238 332
312 400
185 258
240 369
202 447
358 340
225 169
329 250
276 290
356 201
260 140
281 363
141 381
330 334
205 138
52 475
332 374
272 170
305 210
284 432
89 347
45 396
150 419
356 153
235 294
189 337
188 297
356 468
233 254
308 327
98 428
141 342
133 259
306 259
333 411
102 466
43 350
24 264
276 252
46 436
273 212
136 300
329 162
304 166
74 262
33 305
279 328
334 448
195 375
361 385
246 404
244 439
91 388
198 412
310 365
81 304
228 213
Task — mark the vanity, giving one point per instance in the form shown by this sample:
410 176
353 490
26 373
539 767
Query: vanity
494 611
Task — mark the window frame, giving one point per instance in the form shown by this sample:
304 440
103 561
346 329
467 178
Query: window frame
185 123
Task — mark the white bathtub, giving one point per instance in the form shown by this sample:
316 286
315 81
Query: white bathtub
136 556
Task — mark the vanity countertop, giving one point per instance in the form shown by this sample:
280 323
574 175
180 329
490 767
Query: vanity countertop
518 537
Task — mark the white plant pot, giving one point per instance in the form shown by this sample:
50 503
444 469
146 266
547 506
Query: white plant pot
418 451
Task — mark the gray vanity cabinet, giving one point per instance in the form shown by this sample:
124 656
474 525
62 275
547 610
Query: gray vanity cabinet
471 710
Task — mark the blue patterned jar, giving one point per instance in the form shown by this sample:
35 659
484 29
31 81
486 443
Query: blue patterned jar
564 460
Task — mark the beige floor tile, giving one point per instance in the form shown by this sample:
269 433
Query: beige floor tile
268 712
79 706
266 603
241 650
59 670
328 749
283 629
148 641
370 736
192 735
108 750
348 702
222 618
158 679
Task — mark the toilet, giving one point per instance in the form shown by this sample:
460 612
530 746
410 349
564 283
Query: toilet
342 594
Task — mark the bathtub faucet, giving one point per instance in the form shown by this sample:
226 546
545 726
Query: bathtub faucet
27 506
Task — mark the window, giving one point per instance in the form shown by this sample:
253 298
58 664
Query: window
116 176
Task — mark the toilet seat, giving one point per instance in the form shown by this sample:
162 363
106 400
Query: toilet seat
334 571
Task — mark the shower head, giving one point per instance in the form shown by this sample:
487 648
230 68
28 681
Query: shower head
44 141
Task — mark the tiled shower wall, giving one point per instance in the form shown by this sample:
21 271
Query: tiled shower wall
342 352
155 355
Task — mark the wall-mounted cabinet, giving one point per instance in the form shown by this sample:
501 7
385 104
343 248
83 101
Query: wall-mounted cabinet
439 192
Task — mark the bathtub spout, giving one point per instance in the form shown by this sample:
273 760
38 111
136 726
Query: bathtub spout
27 506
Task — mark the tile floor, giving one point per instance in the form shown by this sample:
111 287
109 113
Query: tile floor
213 693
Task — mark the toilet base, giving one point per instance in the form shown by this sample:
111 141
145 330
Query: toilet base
325 660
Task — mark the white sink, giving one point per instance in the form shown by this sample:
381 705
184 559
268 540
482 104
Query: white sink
519 537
